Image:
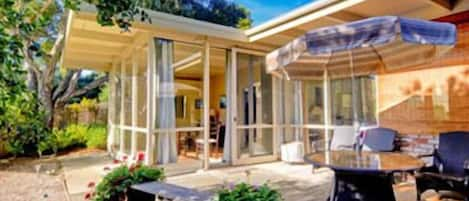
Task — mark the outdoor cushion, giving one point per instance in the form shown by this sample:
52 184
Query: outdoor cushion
343 138
453 150
379 139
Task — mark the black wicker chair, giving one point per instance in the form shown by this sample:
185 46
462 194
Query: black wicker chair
447 172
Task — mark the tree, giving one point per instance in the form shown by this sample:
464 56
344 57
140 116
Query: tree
32 87
221 12
42 50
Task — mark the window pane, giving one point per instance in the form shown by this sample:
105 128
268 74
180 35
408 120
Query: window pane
341 101
366 100
314 107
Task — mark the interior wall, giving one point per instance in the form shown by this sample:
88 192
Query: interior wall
217 91
192 115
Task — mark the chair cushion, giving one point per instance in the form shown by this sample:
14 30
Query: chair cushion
379 139
453 150
343 138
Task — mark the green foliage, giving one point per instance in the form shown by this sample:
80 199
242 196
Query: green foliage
96 137
114 186
29 29
222 12
75 135
246 192
21 119
103 96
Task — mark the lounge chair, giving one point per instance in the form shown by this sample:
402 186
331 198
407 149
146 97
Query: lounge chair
447 172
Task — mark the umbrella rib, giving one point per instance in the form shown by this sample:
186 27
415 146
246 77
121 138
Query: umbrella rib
380 58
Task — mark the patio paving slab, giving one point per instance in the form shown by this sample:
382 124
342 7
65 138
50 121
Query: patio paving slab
296 182
32 180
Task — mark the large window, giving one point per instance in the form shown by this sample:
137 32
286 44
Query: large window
343 92
313 101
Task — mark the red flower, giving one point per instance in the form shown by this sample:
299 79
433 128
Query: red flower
140 156
91 184
87 196
115 161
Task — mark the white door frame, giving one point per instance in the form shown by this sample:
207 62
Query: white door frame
236 160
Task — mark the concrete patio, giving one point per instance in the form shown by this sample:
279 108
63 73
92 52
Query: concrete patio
297 182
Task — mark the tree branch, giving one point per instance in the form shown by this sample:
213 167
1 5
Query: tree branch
93 85
60 90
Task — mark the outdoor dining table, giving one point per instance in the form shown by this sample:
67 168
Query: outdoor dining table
363 176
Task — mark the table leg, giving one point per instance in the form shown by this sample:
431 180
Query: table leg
362 187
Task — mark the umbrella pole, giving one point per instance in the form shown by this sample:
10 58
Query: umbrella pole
356 123
326 110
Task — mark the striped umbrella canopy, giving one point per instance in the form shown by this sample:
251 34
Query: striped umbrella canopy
362 47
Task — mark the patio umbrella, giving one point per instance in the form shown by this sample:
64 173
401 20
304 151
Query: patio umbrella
361 47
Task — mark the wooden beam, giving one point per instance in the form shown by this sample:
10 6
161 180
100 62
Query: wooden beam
92 49
140 39
445 4
344 17
87 56
187 62
102 36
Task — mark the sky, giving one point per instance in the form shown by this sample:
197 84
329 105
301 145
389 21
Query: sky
264 10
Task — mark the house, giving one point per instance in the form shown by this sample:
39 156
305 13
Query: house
182 89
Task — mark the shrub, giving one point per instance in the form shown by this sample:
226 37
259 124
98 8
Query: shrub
96 137
75 135
21 122
243 191
114 186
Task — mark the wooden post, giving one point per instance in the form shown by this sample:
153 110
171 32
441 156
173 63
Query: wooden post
122 114
206 102
275 129
150 142
111 109
233 107
134 103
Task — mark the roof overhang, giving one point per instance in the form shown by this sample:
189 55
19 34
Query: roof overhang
88 45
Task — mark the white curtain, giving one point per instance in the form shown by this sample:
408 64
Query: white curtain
298 110
229 114
166 110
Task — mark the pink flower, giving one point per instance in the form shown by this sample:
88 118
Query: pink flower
106 168
91 184
124 158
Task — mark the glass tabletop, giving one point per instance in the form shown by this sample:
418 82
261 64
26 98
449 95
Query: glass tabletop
365 161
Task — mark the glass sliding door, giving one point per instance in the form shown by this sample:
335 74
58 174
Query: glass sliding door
254 97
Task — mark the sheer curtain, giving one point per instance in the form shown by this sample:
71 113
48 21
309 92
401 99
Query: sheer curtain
298 110
166 111
229 114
